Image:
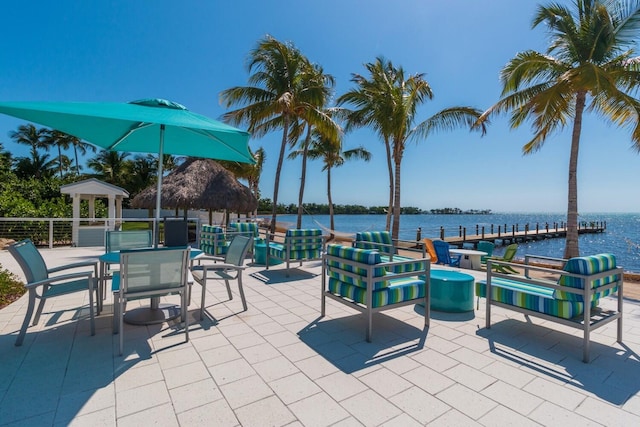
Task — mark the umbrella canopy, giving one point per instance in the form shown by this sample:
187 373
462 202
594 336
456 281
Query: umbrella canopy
144 126
199 184
137 127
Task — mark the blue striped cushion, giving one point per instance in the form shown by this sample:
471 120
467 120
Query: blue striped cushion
212 240
535 298
251 228
368 240
404 268
399 290
587 265
364 256
306 239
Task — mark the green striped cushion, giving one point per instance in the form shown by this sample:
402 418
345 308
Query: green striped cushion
535 298
404 268
364 256
305 239
251 228
587 265
399 290
380 240
212 240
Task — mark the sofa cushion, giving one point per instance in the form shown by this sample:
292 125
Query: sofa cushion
403 268
364 256
587 265
305 239
398 290
251 228
212 240
529 296
380 240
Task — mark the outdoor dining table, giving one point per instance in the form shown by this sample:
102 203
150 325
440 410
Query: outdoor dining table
470 258
155 312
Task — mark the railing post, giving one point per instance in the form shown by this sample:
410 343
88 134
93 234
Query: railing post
441 233
50 234
464 234
459 231
483 232
477 229
491 228
419 234
499 230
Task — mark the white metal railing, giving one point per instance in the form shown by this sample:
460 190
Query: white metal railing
59 231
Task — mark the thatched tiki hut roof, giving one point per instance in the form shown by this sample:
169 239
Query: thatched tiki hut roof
199 184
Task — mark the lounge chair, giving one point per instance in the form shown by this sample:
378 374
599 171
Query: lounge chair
509 254
431 251
299 245
444 257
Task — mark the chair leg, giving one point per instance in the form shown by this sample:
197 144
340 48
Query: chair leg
240 288
369 323
36 318
91 308
121 323
185 315
116 312
229 294
27 317
204 291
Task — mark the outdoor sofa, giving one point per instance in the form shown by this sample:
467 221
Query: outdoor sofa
572 300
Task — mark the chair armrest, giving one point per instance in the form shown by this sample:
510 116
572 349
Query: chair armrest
75 265
222 267
62 278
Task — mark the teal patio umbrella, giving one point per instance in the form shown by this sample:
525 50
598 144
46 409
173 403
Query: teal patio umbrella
144 126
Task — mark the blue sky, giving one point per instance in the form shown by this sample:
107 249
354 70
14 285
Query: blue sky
189 51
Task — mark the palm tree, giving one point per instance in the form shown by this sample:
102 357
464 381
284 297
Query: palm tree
278 97
111 166
36 166
250 172
62 141
82 147
590 65
388 103
31 136
330 151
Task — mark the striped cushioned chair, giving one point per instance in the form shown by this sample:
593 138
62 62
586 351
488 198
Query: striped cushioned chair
248 229
213 240
358 277
587 278
383 243
299 245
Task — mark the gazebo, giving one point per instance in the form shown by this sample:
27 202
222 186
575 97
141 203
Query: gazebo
91 189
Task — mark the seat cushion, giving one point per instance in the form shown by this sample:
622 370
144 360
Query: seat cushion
398 290
587 265
531 297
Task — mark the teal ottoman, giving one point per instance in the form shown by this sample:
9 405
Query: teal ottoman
260 248
451 291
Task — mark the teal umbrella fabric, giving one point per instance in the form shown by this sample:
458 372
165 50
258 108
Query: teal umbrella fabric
137 127
144 126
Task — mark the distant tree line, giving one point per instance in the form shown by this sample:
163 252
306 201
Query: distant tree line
458 211
265 206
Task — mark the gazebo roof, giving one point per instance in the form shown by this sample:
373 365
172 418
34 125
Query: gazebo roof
93 187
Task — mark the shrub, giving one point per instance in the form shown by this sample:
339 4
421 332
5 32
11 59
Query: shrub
10 288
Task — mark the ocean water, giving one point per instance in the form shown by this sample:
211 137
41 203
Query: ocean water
622 236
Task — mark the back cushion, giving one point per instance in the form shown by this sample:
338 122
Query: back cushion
586 265
245 227
306 239
368 240
365 256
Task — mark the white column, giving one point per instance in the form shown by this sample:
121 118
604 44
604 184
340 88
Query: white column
76 220
112 211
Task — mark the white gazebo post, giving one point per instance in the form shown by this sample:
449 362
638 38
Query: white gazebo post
76 219
111 221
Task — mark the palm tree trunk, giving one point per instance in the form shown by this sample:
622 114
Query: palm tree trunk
75 153
303 175
332 225
396 198
276 185
60 160
387 146
571 247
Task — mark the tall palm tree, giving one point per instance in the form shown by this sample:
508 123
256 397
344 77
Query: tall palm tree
589 65
81 147
111 166
277 97
36 166
388 102
31 136
330 151
62 141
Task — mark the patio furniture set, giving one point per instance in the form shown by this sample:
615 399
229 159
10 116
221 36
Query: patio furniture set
373 274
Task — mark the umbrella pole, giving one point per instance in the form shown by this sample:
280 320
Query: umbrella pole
159 190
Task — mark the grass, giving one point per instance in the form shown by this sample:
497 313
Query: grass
10 288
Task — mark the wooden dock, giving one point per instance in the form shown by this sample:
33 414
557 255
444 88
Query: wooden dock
506 235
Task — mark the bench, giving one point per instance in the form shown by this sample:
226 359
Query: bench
359 278
299 245
582 279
